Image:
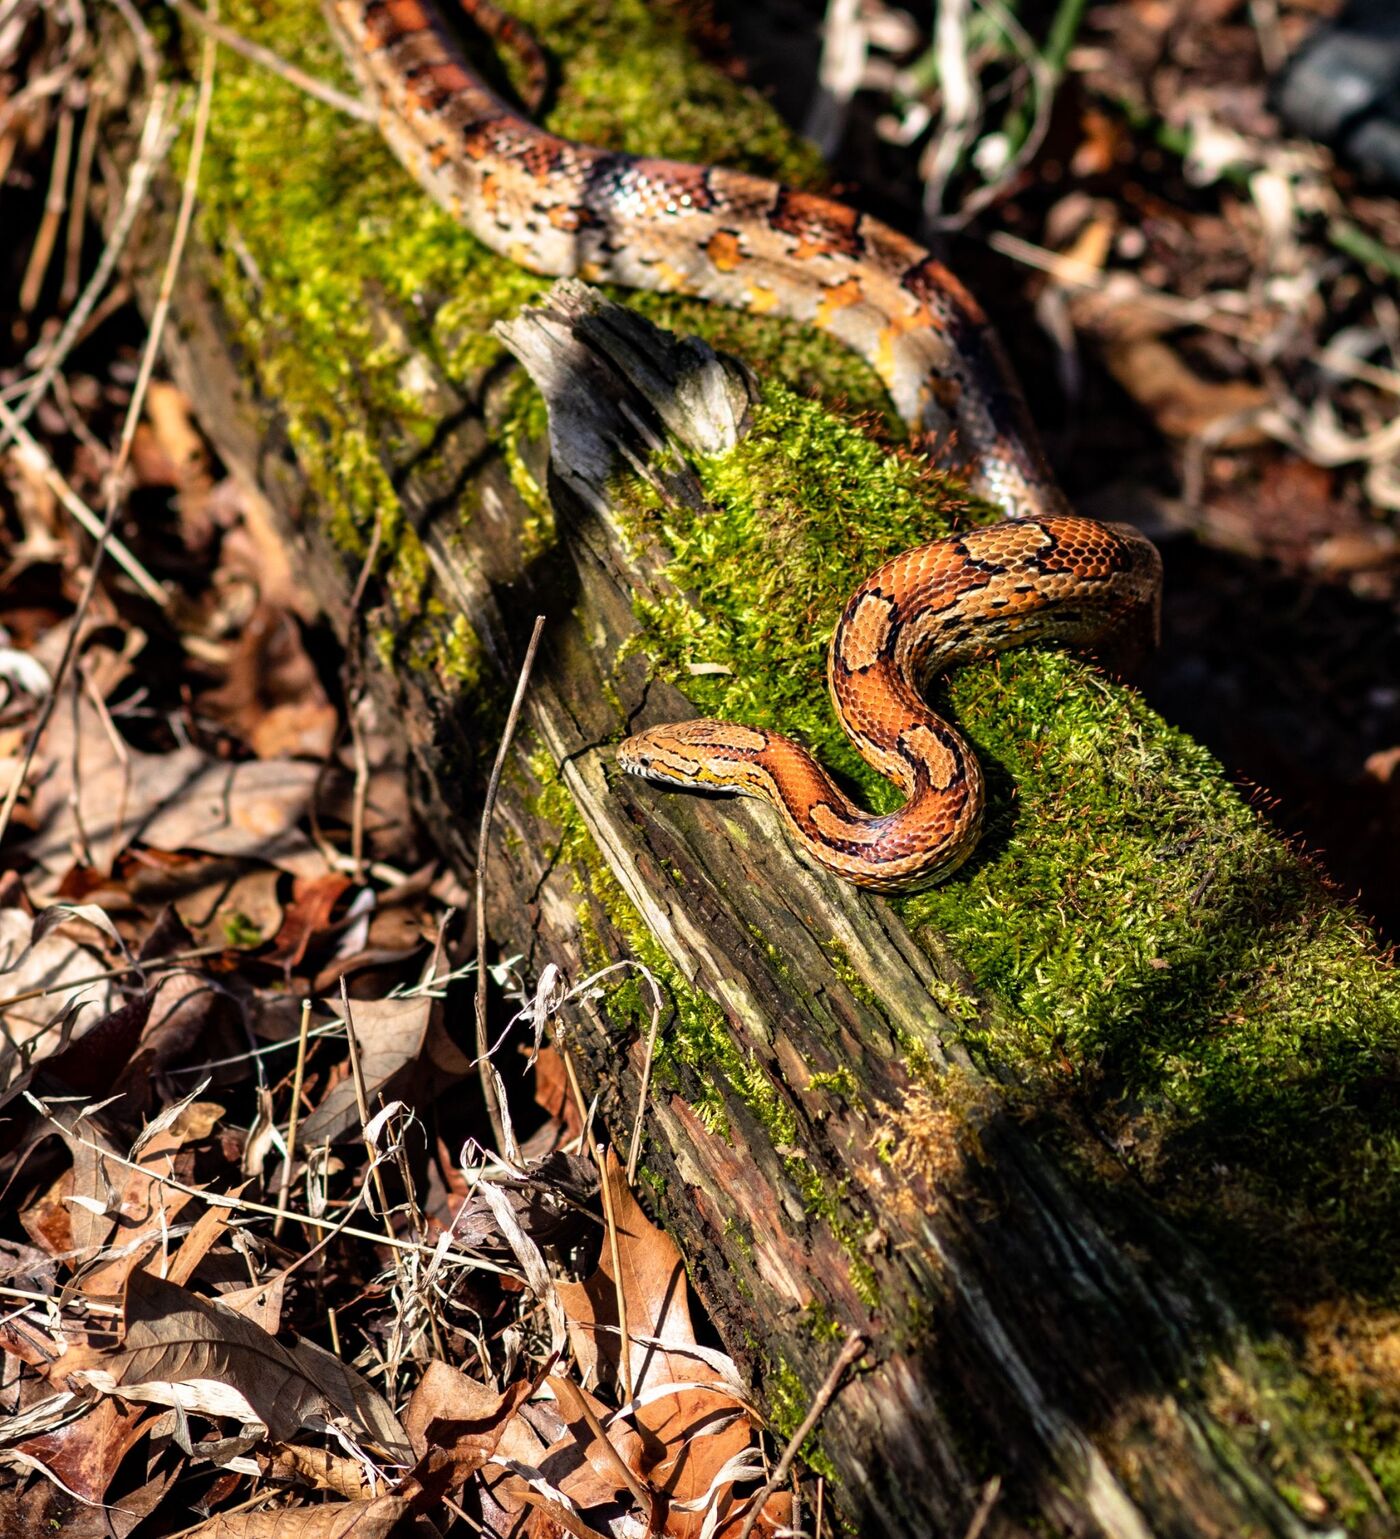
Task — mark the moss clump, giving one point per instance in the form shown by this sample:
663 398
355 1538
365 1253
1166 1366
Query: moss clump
787 1402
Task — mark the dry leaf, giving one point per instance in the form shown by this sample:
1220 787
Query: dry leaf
182 1350
375 1518
146 1206
58 963
687 1399
272 696
454 1425
94 807
318 1467
391 1034
306 917
86 1454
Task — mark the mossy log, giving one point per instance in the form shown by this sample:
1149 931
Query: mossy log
1095 1143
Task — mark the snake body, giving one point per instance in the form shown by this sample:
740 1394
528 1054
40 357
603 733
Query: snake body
562 208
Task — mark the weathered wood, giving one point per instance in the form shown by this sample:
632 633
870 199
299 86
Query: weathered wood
829 1150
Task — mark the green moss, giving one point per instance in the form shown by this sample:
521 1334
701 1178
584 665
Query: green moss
698 1043
840 1082
462 655
787 1401
240 932
819 1323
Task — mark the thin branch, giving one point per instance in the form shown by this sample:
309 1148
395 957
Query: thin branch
357 1073
54 204
488 1083
154 145
183 219
266 1210
988 1500
81 513
624 1359
175 959
284 1185
855 1345
634 1147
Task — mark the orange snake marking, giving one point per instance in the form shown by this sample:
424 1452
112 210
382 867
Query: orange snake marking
736 239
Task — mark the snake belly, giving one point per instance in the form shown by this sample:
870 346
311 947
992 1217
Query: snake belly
560 208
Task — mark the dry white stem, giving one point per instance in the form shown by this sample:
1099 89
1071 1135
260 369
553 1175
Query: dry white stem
157 136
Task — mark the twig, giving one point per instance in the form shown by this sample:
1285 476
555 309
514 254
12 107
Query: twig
77 209
54 204
362 1102
155 142
266 1210
354 697
855 1345
154 964
183 220
255 53
1075 272
488 1083
619 1464
990 1492
284 1186
634 1147
82 514
962 105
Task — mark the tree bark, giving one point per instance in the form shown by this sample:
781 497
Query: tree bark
829 1152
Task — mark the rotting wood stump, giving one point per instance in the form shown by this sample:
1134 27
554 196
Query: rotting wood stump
864 1116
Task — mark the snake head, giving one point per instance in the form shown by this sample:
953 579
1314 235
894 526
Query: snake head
699 753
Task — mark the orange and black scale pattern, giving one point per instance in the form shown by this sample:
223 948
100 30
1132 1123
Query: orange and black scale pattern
561 208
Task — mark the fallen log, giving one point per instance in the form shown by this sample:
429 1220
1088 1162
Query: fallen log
1090 1142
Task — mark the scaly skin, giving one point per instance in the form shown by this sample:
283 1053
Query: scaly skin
561 208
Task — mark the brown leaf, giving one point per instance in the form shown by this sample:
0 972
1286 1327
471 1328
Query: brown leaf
375 1518
317 1467
181 1349
580 1464
86 1454
658 1299
96 806
392 1034
776 1518
90 1065
146 1205
306 917
1185 404
694 1431
272 696
454 1425
56 962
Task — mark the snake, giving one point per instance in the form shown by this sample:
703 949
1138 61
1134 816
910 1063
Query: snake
560 208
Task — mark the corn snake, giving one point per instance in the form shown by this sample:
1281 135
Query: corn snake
562 208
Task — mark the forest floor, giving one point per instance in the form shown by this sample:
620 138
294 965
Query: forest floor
1207 316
